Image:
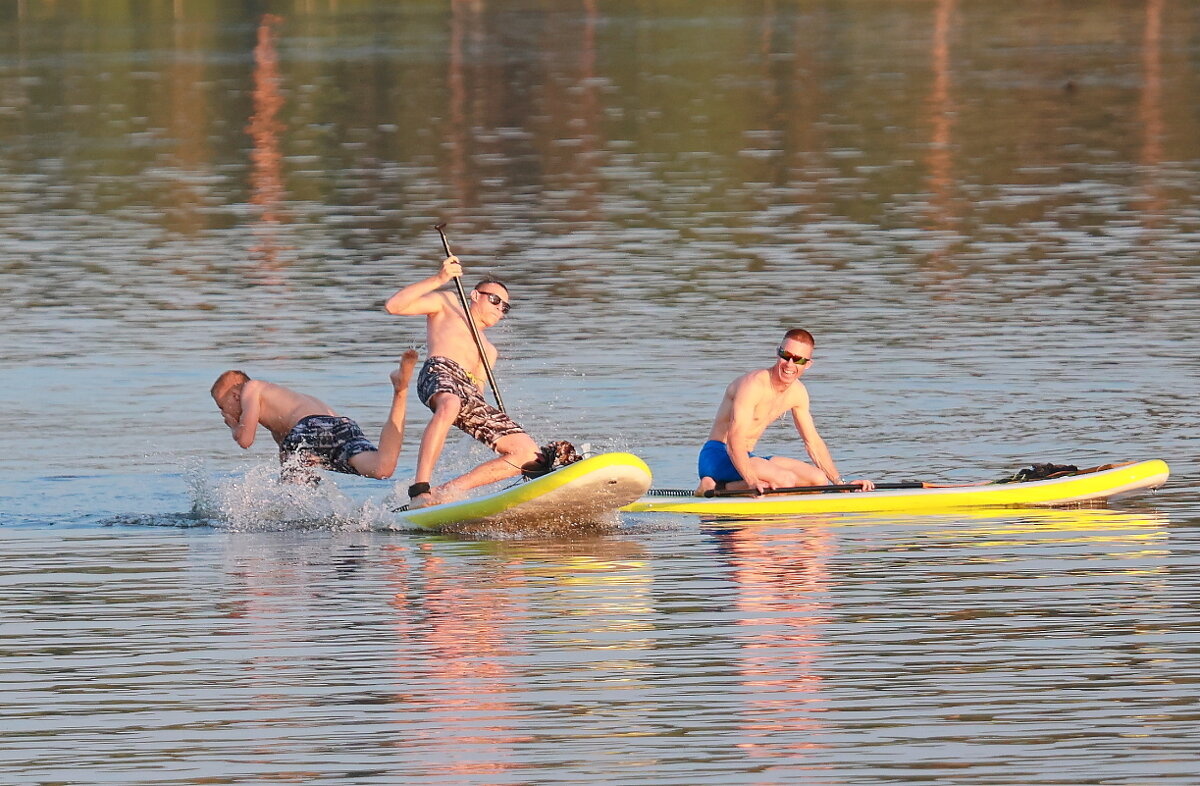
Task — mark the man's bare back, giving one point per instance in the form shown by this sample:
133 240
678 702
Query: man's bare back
279 408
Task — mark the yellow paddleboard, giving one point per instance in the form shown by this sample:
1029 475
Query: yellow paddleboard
583 493
1072 489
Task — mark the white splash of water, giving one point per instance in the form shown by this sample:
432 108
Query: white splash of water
200 489
257 500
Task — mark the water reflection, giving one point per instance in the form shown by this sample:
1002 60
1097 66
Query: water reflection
472 617
1150 113
455 622
734 649
932 613
1059 525
266 178
971 528
940 159
185 124
466 21
782 589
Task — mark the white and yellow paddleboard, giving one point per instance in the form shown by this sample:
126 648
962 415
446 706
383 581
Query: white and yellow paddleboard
1071 489
586 492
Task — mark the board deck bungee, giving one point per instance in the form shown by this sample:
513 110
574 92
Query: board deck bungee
1091 486
578 494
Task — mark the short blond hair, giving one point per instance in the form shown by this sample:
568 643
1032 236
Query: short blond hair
229 379
800 334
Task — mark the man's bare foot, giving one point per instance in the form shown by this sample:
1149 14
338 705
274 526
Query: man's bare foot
447 492
403 375
437 495
706 484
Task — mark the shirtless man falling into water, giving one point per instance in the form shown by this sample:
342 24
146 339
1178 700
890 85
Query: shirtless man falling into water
754 401
451 383
307 431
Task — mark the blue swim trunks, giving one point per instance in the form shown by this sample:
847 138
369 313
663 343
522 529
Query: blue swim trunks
714 463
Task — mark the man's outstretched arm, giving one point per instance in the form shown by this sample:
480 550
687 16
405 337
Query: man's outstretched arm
415 298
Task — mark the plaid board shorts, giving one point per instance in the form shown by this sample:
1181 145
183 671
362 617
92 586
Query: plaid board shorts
326 441
476 417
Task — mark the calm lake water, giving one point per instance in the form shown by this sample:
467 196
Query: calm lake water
987 213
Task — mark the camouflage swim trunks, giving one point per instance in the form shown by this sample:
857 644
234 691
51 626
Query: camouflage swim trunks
325 441
476 417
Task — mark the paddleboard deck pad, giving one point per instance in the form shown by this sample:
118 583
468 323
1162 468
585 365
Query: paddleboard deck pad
588 492
1085 487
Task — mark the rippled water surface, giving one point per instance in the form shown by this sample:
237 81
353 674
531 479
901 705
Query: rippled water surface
987 213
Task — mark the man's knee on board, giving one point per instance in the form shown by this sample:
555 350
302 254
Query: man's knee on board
518 449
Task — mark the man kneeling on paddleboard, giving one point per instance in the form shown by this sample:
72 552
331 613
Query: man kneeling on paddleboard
451 385
754 401
308 432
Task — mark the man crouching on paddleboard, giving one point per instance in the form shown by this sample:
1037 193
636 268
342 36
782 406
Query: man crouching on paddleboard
754 401
451 383
308 432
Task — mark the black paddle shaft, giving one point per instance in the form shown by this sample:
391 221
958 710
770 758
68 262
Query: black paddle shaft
462 297
911 484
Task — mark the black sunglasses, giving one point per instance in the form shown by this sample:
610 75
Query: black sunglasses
799 361
496 300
